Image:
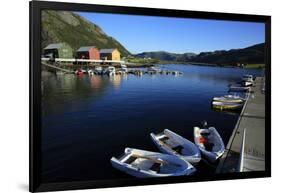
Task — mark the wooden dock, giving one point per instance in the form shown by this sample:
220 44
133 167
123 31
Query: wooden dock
56 67
59 65
74 60
245 150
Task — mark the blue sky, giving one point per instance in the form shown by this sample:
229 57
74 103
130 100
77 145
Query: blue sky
179 35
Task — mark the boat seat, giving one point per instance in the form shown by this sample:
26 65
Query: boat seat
156 167
130 160
178 149
143 164
209 146
163 138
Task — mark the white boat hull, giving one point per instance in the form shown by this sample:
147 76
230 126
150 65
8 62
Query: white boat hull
189 152
215 138
140 167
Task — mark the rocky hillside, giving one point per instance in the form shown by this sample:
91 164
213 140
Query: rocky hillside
69 27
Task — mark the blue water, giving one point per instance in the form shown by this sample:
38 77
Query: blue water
87 120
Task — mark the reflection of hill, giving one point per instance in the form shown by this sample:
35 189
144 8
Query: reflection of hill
69 91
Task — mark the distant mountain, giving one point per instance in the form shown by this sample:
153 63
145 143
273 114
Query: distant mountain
166 56
69 27
250 55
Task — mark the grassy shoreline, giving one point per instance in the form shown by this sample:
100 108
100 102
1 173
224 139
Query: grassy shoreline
150 62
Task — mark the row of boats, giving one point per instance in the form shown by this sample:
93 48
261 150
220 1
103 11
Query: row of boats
98 70
111 71
234 102
244 85
178 156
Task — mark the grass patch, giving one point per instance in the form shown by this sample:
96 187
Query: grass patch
254 66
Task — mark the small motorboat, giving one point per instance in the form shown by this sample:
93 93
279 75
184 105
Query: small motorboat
227 105
209 142
248 78
98 70
154 69
123 69
247 83
174 144
145 164
239 88
229 98
110 71
79 72
90 72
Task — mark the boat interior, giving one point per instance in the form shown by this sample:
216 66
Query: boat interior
151 164
173 144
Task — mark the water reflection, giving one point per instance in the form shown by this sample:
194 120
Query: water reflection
88 119
96 82
116 80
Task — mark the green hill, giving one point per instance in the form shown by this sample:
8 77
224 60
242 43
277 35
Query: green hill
250 55
166 56
69 27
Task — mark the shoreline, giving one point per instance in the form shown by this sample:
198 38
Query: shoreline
146 65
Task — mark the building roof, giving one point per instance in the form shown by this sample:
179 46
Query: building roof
85 48
54 46
107 51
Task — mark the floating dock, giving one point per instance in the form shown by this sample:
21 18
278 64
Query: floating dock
245 150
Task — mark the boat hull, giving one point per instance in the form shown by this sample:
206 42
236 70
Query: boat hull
218 148
191 147
187 168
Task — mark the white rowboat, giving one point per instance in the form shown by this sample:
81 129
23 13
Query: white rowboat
227 105
239 88
229 98
248 77
145 164
174 144
209 142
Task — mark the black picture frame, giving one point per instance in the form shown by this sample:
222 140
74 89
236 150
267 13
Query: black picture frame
36 7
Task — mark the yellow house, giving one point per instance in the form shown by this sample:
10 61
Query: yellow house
109 54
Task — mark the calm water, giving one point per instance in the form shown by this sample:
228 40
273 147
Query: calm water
87 120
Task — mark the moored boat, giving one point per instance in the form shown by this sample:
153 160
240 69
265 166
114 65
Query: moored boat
98 70
209 142
239 88
247 83
248 78
123 69
229 98
154 69
90 72
145 164
227 105
174 144
110 71
79 72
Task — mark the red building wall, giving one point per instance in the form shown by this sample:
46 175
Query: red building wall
94 54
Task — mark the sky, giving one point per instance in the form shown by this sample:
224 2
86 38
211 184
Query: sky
178 35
